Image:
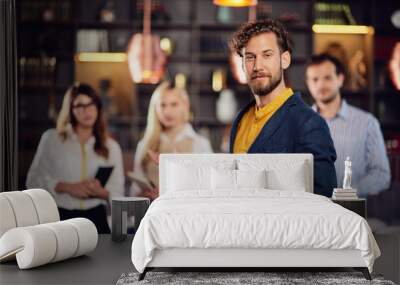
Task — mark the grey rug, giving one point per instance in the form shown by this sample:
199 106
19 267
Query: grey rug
226 278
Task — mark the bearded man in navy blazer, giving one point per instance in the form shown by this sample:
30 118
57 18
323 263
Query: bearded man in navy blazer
278 120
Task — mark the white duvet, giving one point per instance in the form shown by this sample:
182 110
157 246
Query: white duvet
252 218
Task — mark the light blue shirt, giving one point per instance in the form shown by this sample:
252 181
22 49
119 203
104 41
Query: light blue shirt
357 134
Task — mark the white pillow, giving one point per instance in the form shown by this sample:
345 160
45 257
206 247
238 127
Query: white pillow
236 179
293 180
280 174
223 179
251 178
181 177
184 174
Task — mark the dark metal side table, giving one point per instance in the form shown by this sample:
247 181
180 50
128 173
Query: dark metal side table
358 206
120 209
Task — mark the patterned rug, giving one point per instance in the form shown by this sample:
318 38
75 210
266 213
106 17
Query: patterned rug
229 278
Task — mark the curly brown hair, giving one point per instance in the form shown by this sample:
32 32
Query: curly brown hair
250 29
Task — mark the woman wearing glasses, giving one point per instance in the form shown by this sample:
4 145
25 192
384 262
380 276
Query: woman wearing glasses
68 158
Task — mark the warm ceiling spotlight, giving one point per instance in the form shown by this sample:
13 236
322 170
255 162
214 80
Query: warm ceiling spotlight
101 57
180 80
166 45
342 29
235 3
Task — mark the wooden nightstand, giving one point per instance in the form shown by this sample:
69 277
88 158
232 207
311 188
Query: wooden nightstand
358 206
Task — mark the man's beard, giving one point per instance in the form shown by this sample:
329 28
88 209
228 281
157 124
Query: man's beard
268 87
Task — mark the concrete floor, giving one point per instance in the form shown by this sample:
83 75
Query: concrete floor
388 239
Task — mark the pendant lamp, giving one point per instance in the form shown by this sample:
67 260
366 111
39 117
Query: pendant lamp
145 57
394 66
235 3
235 60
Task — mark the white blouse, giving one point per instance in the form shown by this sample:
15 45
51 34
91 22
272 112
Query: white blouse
57 161
200 145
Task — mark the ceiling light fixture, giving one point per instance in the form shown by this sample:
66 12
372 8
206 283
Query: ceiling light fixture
342 29
235 3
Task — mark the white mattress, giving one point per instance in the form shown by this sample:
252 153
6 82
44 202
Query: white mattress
253 218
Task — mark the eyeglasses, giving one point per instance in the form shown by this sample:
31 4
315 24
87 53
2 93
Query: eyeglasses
82 107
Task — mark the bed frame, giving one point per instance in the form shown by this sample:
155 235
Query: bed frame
256 258
242 258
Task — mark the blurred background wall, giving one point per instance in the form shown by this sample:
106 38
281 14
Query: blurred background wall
60 42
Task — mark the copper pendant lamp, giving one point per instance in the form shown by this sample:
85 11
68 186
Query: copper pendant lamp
235 3
145 57
235 60
394 66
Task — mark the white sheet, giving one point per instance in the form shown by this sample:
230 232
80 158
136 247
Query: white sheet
253 218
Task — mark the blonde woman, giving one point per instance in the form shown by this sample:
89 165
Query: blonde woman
168 131
68 158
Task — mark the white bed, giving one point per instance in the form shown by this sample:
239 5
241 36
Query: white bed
201 220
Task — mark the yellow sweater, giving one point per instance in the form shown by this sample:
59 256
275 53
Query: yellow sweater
254 120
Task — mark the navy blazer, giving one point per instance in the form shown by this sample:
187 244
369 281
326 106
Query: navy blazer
296 128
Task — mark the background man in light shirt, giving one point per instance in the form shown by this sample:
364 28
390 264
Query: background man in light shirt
355 133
